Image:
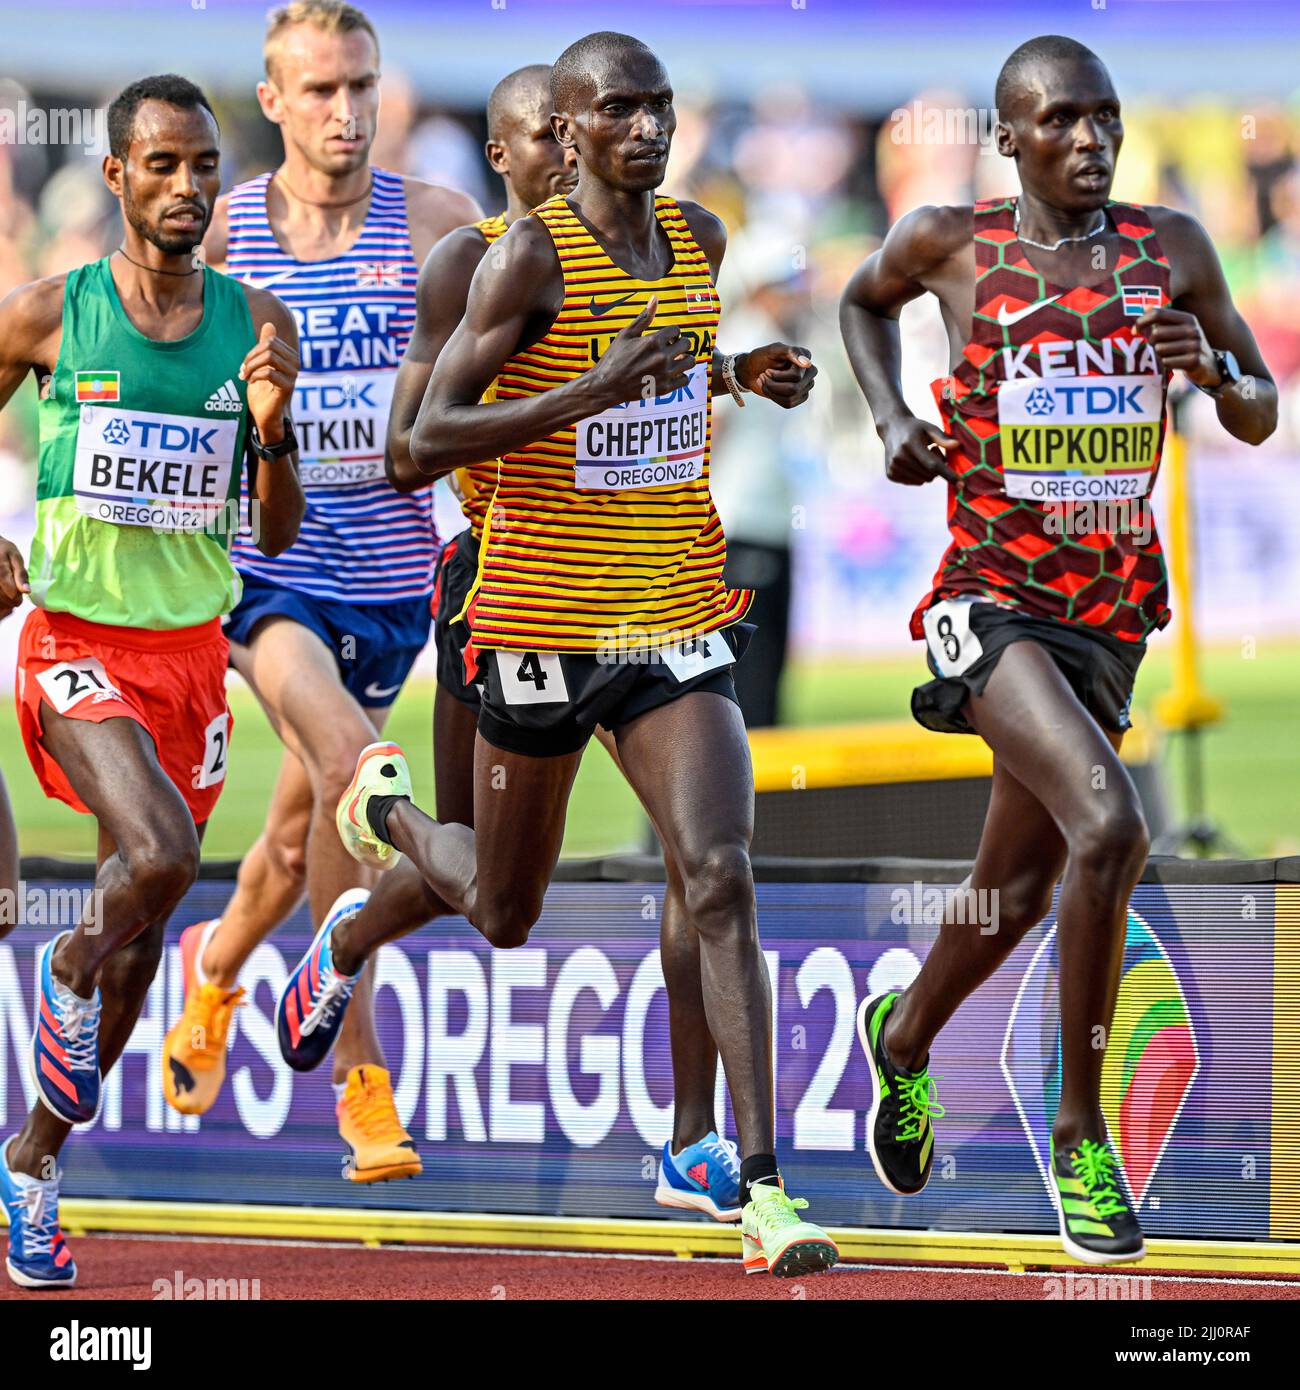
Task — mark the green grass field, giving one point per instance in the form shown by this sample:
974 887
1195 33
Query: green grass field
1252 758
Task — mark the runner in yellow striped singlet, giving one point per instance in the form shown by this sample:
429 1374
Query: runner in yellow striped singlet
697 1170
600 597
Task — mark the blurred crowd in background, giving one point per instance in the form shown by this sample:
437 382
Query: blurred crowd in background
806 192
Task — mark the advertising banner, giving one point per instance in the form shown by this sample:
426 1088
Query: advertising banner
538 1080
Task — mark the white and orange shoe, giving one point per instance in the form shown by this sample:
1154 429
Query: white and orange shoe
381 771
194 1051
379 1148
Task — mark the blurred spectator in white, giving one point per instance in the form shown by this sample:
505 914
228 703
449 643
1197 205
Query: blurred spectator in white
765 291
445 151
792 157
398 108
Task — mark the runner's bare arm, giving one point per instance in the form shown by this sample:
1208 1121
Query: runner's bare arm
513 299
1202 319
779 372
216 237
271 369
31 323
917 246
432 211
440 301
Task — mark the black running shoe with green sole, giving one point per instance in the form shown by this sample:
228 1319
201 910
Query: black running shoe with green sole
904 1105
1098 1225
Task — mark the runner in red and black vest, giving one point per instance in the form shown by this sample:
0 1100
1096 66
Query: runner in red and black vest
1067 314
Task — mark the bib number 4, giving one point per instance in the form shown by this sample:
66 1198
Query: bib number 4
531 678
954 648
696 657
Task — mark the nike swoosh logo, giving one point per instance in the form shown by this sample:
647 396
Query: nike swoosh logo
272 279
596 310
1006 320
373 692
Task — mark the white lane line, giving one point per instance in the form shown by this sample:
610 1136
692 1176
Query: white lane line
1119 1272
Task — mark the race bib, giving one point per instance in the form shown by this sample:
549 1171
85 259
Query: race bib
216 752
341 419
953 646
531 678
71 682
147 468
1079 438
696 657
645 443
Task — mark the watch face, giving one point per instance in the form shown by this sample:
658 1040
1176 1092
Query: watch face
1228 368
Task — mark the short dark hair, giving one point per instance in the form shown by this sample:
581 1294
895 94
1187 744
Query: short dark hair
503 104
168 86
574 68
1047 48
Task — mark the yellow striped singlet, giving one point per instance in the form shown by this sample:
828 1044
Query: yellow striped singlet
473 485
606 532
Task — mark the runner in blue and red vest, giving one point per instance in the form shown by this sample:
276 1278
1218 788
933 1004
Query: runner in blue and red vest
327 632
1067 313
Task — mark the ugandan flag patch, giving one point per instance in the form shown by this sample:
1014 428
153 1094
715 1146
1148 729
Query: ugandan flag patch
699 299
98 386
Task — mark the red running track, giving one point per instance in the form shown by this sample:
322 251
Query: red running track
116 1267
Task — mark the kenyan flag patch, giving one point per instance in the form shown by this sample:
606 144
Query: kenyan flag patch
98 386
1139 298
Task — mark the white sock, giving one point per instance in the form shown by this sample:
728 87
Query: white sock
200 977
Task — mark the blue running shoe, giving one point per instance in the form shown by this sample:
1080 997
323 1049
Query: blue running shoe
65 1045
703 1177
312 1004
39 1257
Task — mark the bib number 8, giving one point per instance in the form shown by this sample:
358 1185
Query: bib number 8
954 648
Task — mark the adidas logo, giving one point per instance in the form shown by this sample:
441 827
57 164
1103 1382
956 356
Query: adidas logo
225 397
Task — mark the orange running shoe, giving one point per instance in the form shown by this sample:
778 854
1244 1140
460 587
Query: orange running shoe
194 1052
379 1147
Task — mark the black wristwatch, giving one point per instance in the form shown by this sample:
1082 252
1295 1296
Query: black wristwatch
1229 373
273 451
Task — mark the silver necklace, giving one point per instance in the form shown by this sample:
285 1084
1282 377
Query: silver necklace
1064 241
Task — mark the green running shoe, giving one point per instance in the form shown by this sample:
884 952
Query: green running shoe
775 1239
904 1104
381 771
1098 1225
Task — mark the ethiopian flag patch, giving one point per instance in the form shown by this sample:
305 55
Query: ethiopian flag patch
98 386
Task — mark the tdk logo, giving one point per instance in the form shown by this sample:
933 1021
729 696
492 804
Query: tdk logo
681 393
329 396
1084 402
161 436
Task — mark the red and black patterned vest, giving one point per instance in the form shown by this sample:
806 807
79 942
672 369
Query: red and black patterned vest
1059 407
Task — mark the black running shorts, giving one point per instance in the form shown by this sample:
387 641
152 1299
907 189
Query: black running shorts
458 658
965 641
544 704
